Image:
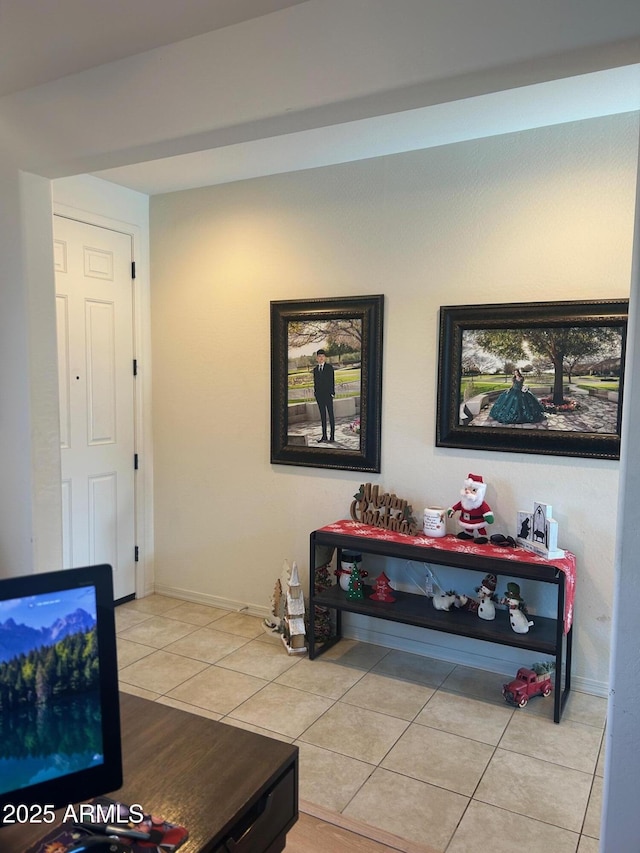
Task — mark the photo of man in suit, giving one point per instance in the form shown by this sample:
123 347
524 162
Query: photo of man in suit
324 390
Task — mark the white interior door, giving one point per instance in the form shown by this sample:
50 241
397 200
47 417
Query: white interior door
94 299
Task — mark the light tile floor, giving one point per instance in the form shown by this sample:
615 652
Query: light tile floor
420 748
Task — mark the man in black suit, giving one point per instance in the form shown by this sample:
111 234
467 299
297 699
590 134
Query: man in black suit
324 390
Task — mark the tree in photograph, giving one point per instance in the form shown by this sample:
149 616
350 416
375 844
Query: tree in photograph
541 366
555 344
42 686
339 350
506 344
571 362
469 367
345 331
67 667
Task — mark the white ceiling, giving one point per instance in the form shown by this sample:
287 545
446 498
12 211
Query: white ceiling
42 41
571 99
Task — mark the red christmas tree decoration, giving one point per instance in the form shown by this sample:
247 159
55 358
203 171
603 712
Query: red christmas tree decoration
383 589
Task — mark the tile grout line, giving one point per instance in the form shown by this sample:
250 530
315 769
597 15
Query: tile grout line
144 616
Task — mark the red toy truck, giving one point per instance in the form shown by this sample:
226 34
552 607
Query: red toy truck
527 683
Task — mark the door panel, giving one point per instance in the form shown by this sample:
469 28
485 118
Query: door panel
62 325
96 387
101 372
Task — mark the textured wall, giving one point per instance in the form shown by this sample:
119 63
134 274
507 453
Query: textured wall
539 215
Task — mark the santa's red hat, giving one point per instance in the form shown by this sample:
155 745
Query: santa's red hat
477 485
474 479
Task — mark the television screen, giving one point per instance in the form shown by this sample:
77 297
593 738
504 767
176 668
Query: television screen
59 706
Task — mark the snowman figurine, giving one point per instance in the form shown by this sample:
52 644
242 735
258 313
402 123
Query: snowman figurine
518 616
464 602
486 597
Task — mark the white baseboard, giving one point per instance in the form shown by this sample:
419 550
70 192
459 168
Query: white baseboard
462 651
212 600
588 685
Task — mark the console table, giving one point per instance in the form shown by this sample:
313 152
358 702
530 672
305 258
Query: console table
234 790
550 636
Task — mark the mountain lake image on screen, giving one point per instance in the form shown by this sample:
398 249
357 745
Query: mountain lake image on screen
60 739
50 724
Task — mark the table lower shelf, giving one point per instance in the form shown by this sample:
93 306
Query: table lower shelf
418 610
546 636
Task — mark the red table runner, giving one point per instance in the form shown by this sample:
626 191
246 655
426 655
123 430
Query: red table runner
566 564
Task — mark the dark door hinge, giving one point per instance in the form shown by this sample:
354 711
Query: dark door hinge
136 555
133 269
135 462
135 366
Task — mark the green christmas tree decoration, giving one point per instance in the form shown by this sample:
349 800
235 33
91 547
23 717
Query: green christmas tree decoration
355 591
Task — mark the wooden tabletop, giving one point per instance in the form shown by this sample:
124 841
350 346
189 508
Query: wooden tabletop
187 769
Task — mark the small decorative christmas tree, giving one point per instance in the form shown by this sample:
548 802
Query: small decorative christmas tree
383 589
355 591
274 623
543 667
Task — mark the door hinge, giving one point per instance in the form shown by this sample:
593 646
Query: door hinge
136 554
133 269
135 462
135 366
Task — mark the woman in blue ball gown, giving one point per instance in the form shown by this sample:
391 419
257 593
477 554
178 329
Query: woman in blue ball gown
517 406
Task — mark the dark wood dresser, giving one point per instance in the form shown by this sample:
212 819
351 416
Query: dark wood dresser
234 790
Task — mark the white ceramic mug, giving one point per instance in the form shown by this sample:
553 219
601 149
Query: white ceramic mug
435 521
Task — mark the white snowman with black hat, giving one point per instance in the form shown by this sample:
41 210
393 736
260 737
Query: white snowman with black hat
486 597
518 616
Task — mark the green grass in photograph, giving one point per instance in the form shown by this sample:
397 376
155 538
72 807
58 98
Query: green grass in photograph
293 400
586 385
472 386
304 378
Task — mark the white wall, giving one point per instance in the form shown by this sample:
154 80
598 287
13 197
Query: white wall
540 215
622 737
43 374
30 509
97 198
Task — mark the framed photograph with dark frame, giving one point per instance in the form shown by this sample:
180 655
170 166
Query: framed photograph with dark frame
533 377
326 382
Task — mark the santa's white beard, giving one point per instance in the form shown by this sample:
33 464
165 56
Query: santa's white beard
470 502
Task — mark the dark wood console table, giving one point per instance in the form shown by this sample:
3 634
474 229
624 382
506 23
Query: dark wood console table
550 636
233 789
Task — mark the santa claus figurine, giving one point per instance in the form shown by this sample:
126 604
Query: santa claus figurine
475 513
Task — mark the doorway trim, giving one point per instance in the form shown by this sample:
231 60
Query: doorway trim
144 574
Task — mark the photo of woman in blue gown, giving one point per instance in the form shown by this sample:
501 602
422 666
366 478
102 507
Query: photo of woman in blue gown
517 405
